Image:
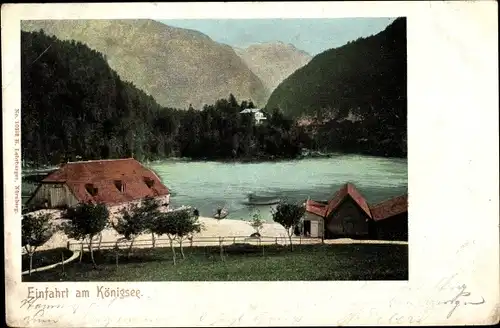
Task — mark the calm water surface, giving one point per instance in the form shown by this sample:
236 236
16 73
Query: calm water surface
209 185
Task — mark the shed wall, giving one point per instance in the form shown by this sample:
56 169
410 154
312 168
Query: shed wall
347 220
394 228
56 195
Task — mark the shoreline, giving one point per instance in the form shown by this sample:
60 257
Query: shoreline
44 168
228 228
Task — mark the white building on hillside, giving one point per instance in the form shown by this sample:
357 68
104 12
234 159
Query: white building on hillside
257 114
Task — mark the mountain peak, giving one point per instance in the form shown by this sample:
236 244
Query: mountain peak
276 44
273 61
177 66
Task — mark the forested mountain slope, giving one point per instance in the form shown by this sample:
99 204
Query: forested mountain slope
367 76
357 93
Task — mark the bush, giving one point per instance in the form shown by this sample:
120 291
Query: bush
242 248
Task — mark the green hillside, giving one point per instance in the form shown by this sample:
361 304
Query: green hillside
74 105
364 81
367 73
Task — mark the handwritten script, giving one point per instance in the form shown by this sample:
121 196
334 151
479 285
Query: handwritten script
441 300
412 304
462 297
41 312
41 309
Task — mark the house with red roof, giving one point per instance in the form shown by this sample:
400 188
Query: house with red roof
347 214
112 182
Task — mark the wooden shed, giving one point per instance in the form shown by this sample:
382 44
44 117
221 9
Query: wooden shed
112 182
314 219
348 214
391 218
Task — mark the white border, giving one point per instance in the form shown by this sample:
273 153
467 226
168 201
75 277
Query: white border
453 183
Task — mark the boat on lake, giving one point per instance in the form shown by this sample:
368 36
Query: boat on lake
221 214
262 200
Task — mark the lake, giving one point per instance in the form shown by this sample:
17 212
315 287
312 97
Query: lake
209 185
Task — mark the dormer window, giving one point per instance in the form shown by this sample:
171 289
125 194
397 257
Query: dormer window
91 189
149 182
119 185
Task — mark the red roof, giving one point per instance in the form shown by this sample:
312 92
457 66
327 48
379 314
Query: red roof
390 208
316 208
102 174
347 190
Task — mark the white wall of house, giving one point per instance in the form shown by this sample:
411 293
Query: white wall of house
259 117
317 224
257 114
115 209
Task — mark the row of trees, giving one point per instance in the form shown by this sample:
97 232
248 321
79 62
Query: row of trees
370 137
85 222
220 131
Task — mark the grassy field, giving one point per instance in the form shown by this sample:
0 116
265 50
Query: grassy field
44 258
242 263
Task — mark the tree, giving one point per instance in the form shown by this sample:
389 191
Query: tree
36 230
85 221
232 101
186 225
130 224
164 224
257 222
288 215
177 225
150 208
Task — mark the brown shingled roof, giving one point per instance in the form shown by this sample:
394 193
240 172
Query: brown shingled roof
102 174
348 190
316 208
390 208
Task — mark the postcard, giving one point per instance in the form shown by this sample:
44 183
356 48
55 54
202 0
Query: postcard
250 164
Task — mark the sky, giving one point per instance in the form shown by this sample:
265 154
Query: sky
311 35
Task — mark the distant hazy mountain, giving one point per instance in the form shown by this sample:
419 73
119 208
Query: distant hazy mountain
176 66
274 61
